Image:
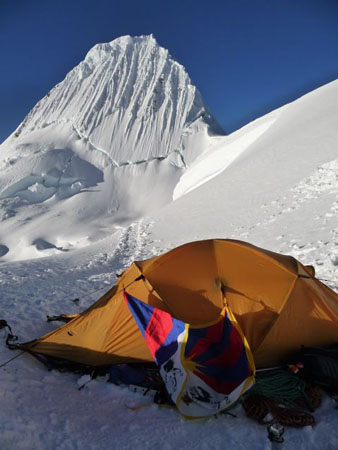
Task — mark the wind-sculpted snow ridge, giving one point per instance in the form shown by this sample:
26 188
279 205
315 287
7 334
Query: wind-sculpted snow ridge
130 98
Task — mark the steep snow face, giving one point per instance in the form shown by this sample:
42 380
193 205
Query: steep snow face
278 188
106 146
130 100
294 138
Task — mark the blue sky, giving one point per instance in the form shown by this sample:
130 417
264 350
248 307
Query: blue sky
247 57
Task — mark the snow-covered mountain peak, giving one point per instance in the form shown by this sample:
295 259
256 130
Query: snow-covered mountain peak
124 44
129 100
105 146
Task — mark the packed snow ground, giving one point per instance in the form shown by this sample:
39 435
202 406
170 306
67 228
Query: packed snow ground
46 410
274 183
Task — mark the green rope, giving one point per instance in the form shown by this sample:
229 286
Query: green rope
282 386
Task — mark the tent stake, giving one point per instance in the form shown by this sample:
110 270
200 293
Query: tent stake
275 435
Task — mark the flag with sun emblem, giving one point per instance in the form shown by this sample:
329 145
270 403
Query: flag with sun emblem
205 369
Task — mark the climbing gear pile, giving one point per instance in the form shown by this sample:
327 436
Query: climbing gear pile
285 397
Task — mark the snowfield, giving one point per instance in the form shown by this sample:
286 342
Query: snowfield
80 201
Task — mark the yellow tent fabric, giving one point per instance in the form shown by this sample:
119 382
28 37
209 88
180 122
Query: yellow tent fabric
277 301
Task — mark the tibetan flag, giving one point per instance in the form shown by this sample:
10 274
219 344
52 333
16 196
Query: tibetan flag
206 368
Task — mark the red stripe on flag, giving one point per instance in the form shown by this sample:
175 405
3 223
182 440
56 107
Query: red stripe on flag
213 336
215 332
231 354
199 348
158 330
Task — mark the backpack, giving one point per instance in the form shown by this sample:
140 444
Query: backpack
319 365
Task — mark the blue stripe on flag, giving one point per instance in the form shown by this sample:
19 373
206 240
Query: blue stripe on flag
141 312
195 334
237 372
215 348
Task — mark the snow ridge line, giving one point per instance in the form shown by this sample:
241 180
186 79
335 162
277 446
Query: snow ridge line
82 136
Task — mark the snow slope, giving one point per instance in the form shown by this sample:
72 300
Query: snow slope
273 183
107 144
280 192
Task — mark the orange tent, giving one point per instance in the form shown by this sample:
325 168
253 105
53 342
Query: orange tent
277 301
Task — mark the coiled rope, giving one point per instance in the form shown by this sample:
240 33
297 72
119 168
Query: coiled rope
285 396
281 385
